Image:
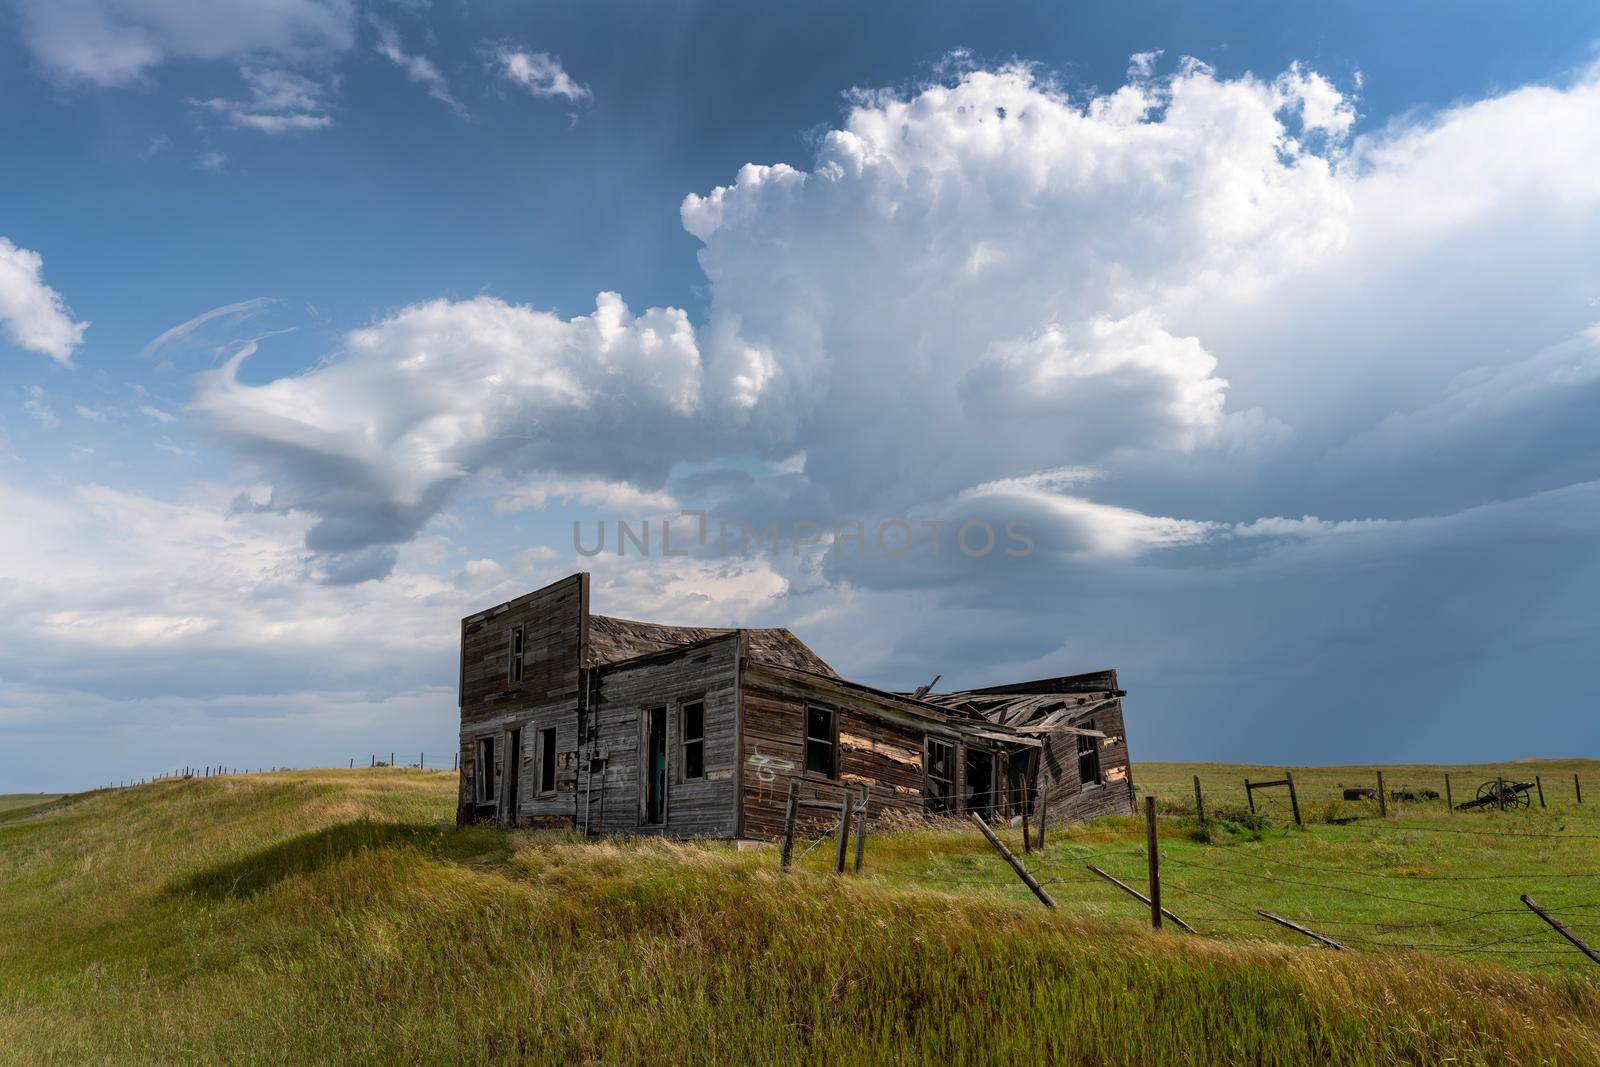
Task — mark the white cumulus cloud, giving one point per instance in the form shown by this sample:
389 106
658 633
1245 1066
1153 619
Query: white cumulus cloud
33 315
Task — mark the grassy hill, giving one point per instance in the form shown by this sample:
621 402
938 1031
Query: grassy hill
14 801
335 916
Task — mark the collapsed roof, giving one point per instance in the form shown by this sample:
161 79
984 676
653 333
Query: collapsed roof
612 640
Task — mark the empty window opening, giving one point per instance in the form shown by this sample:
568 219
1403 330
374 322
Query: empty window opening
822 741
655 765
941 776
1088 757
514 674
486 770
694 740
547 761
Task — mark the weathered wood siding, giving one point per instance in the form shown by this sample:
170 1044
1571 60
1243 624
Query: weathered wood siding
547 695
703 807
875 750
1069 799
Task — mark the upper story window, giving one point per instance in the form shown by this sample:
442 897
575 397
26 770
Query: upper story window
1088 756
514 673
693 733
822 741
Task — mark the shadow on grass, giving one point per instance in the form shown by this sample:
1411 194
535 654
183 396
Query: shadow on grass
311 852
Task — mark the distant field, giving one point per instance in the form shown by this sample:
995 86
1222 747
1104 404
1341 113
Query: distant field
336 916
8 801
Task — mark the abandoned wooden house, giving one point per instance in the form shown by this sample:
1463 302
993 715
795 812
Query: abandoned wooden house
622 727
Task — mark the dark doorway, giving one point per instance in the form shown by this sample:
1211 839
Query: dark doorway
980 781
1019 781
655 766
508 786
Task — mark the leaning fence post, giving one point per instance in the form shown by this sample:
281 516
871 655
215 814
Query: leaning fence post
1281 921
1154 860
844 833
1533 906
861 830
1449 801
1140 897
1016 864
1294 801
1250 796
1199 804
1537 781
1383 798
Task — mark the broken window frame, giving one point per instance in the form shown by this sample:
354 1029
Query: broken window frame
692 746
486 788
939 792
826 742
546 741
517 638
1089 772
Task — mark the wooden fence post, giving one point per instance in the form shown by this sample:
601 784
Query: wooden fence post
1016 864
861 830
1154 860
844 833
1281 921
788 825
1383 798
1248 795
1199 804
1294 801
1140 897
1027 837
1577 788
1449 802
1500 793
1533 906
1044 808
1539 782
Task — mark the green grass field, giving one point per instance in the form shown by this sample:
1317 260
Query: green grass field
336 916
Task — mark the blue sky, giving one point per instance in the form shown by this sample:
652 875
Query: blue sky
322 322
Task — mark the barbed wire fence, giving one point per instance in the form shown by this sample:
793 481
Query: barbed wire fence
1518 933
372 761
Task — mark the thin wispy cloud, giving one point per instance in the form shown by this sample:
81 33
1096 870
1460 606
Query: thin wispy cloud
237 312
538 73
418 69
278 102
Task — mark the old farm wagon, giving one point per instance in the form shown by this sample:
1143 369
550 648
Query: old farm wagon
616 726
